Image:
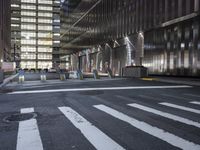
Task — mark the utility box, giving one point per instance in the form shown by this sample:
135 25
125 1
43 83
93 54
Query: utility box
135 71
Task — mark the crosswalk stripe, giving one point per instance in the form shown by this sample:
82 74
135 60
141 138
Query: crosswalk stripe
166 115
28 133
195 102
154 131
181 107
95 136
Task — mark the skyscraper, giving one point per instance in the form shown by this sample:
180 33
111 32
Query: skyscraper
35 26
5 30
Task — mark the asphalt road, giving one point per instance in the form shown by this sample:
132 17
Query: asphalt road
105 115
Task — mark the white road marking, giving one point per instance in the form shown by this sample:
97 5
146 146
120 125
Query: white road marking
154 131
27 110
181 107
195 102
28 134
166 115
95 136
99 89
193 95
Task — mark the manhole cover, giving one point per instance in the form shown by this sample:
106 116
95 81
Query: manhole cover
19 117
91 92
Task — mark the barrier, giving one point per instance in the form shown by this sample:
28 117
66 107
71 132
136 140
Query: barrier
79 75
110 73
95 74
43 76
62 77
21 76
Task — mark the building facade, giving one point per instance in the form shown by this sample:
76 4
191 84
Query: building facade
163 35
5 45
35 26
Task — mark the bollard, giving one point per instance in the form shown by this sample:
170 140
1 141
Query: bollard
62 77
21 78
110 73
96 75
79 75
43 77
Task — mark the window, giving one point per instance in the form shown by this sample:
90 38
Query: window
28 55
14 25
30 7
28 34
44 14
14 5
28 64
45 8
28 26
45 35
25 41
44 42
45 64
56 41
28 1
47 28
28 13
56 34
56 20
45 2
44 49
15 19
44 56
28 49
28 19
41 20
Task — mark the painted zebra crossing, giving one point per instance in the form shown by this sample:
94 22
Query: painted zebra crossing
97 137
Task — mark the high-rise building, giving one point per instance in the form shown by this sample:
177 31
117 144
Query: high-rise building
5 30
35 26
163 35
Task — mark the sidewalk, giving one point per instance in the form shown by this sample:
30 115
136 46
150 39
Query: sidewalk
178 80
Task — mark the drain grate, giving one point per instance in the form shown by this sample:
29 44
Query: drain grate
91 92
19 117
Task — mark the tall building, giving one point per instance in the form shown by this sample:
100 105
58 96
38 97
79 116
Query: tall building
35 26
5 30
110 32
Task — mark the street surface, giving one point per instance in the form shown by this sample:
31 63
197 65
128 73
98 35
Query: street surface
116 114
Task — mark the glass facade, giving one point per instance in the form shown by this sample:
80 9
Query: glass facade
34 36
